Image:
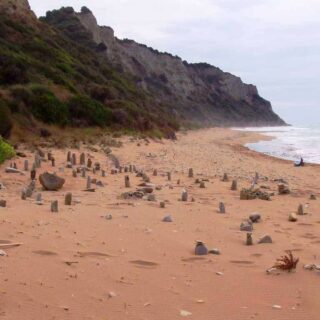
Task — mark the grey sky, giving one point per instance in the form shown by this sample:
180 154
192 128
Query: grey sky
274 44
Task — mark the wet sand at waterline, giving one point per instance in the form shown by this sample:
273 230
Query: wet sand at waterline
76 264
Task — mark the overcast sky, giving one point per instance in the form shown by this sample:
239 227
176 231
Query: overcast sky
274 44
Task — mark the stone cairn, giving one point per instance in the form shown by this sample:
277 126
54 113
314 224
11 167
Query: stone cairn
169 176
127 181
26 165
225 177
234 185
155 172
222 208
300 211
54 206
249 241
74 159
69 156
202 185
89 163
184 195
68 199
190 174
82 159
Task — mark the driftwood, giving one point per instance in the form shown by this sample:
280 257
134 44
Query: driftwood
286 263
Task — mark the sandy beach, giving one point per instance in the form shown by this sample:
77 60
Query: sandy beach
76 264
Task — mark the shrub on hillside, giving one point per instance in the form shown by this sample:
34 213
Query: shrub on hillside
6 151
5 120
86 111
46 107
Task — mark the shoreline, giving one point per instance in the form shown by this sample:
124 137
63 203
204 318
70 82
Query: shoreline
83 265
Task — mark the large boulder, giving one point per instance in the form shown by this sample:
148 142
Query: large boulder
51 182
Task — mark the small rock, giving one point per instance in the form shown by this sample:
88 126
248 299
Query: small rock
214 251
222 208
51 182
3 203
313 197
2 253
246 226
167 219
283 189
265 239
201 249
184 313
293 217
255 217
300 211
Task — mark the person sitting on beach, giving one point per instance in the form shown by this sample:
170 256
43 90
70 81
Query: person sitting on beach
299 163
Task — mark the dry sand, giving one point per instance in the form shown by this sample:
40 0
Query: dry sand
137 267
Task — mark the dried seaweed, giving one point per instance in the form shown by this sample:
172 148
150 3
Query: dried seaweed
286 263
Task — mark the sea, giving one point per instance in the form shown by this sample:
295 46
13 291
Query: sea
291 143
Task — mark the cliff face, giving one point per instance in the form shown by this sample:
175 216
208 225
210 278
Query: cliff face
196 92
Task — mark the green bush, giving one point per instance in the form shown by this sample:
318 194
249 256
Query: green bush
5 120
86 111
6 151
46 107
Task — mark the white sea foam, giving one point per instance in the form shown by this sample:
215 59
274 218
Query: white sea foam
289 142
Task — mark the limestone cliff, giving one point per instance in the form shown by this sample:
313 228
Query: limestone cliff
197 92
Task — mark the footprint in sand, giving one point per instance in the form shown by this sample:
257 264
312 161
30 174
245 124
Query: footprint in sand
244 262
93 254
143 263
192 259
45 253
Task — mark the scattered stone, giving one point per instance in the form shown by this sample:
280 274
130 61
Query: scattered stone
222 208
190 174
51 182
13 170
185 313
2 253
184 195
167 219
293 217
100 184
250 194
69 156
255 217
265 239
30 189
108 217
275 306
53 162
200 249
89 163
246 226
151 197
103 173
68 199
83 172
283 189
74 173
214 251
155 172
249 241
202 185
313 197
169 176
69 165
54 206
234 185
3 203
132 195
162 204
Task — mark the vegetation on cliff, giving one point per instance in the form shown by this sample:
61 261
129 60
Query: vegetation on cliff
54 79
